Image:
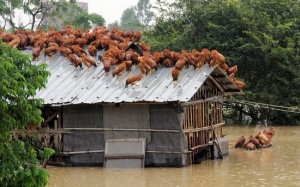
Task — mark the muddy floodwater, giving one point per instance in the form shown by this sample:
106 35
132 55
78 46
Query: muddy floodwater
278 165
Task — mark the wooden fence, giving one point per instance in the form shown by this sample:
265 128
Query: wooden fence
203 114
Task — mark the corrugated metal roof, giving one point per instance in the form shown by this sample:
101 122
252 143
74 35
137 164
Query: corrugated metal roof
68 86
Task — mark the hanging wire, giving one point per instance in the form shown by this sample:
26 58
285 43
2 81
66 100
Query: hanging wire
264 105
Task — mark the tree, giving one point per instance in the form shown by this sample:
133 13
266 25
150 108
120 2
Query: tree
19 81
143 12
96 20
261 37
31 8
46 14
114 24
69 13
135 18
129 20
7 11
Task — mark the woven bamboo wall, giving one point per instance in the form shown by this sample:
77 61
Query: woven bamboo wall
201 118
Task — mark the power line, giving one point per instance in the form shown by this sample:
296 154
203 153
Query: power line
266 106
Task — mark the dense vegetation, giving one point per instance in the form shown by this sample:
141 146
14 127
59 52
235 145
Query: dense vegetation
261 37
19 80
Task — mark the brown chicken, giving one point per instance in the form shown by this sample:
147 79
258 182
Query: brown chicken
66 41
23 40
175 75
151 63
92 51
116 53
204 58
168 62
180 64
130 34
119 70
145 47
134 58
271 132
133 79
193 61
224 67
250 146
264 139
36 52
167 53
253 140
80 41
144 67
240 142
233 69
216 58
107 61
78 50
136 36
54 44
231 76
88 62
75 61
128 65
15 41
50 51
124 45
241 85
128 54
105 41
158 58
65 51
117 36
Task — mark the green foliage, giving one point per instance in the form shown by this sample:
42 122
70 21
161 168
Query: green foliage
135 18
114 24
261 37
7 11
46 153
143 12
19 80
129 20
96 20
69 13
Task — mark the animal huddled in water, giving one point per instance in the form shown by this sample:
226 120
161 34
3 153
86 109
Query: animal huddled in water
70 43
261 140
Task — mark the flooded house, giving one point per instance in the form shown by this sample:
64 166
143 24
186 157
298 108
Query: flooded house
99 121
93 118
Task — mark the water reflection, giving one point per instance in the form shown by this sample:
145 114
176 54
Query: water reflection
274 166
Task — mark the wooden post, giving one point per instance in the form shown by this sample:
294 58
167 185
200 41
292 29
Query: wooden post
45 162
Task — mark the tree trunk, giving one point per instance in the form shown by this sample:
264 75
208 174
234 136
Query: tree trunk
45 163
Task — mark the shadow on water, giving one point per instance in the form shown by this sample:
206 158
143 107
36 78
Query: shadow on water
273 166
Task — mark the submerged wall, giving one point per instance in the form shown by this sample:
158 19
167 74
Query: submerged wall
165 140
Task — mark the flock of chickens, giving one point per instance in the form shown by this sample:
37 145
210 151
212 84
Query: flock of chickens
118 57
261 140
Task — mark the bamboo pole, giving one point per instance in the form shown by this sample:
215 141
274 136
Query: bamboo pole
169 152
199 146
81 152
120 129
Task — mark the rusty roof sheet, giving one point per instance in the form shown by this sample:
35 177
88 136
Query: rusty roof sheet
68 86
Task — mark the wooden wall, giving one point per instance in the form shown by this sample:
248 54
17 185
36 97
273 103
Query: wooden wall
203 114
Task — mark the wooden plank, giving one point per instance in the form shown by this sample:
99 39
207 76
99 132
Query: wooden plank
199 146
202 129
50 118
56 138
218 145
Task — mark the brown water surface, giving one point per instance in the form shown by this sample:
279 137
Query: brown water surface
278 165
